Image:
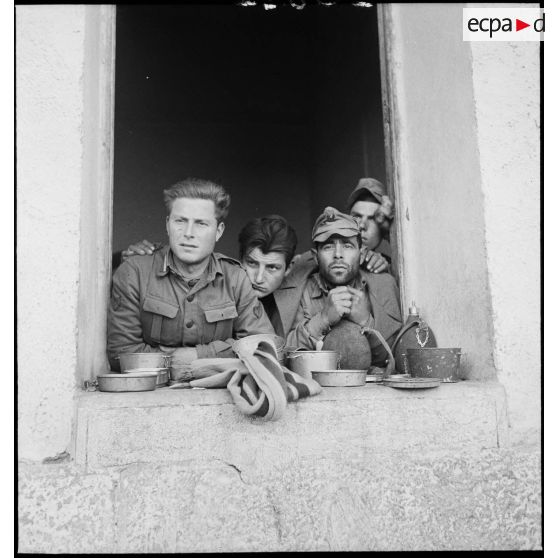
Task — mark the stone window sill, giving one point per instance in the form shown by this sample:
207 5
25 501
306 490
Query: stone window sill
116 429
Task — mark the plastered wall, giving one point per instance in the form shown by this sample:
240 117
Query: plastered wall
506 81
50 60
56 162
468 129
440 201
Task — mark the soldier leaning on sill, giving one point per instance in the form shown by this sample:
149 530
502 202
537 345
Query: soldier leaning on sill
184 299
343 307
267 246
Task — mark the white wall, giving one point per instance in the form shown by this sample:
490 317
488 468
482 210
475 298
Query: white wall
469 203
506 79
440 203
55 164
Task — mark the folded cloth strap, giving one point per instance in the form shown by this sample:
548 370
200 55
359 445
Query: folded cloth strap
213 372
258 384
388 371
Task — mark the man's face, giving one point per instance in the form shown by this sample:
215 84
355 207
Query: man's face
363 212
338 259
193 230
266 271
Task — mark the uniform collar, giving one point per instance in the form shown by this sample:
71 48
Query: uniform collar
167 265
321 288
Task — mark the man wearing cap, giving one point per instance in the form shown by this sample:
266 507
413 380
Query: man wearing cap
267 245
341 294
184 299
370 205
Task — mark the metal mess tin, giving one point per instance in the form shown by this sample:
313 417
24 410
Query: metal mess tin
133 361
141 381
340 378
412 383
306 362
163 374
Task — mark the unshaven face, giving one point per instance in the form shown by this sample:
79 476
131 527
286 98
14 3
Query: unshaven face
338 259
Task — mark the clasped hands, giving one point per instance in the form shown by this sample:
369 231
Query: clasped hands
347 302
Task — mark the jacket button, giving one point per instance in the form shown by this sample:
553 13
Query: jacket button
189 324
189 298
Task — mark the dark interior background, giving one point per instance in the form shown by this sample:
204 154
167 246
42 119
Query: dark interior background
283 107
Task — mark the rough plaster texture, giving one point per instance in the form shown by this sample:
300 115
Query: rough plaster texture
64 123
440 202
415 471
50 62
463 500
506 79
168 425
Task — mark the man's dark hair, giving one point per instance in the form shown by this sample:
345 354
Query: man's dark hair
271 233
318 245
198 189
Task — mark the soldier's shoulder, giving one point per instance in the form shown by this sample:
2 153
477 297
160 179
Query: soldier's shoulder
379 279
228 264
137 265
304 265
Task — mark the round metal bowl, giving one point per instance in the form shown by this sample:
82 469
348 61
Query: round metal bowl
340 378
141 381
133 361
305 362
163 374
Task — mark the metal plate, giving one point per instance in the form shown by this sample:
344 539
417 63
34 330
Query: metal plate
378 378
412 383
339 378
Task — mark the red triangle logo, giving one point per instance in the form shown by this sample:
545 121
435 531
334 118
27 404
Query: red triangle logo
519 25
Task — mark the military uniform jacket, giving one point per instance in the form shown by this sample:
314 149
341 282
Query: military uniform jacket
287 296
152 305
310 326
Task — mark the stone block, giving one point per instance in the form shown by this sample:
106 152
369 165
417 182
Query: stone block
171 426
468 501
451 500
63 509
198 506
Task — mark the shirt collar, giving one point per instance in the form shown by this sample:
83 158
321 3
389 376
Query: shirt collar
168 265
323 288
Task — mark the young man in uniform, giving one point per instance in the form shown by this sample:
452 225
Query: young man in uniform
184 299
267 246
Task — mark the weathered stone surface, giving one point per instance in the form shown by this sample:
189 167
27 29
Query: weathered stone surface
466 500
184 471
167 425
63 509
197 506
489 500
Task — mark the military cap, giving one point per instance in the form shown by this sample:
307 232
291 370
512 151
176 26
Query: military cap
331 222
370 186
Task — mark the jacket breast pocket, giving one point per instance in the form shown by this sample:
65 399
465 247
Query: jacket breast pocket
219 321
160 322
